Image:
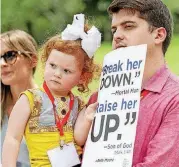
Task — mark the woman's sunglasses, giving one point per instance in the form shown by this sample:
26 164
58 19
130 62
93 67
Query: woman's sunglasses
10 57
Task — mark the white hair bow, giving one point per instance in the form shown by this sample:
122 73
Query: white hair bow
91 40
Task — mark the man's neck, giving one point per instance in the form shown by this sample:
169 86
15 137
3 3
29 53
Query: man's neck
152 65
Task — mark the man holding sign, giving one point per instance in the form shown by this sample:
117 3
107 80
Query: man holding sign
136 22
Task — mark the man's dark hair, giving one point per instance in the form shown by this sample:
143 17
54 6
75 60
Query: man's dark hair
154 12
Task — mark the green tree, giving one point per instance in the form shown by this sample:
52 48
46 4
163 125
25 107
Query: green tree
42 18
173 5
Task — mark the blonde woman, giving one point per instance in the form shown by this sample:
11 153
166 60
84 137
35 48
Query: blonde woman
18 63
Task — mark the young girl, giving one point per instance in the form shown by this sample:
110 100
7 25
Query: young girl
47 115
18 63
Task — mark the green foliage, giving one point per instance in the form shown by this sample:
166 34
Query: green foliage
172 56
42 18
173 5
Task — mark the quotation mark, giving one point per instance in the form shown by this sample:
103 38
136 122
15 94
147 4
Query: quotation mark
128 118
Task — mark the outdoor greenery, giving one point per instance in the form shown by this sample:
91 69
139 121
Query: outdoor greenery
44 18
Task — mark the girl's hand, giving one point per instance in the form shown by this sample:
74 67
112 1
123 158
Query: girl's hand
90 111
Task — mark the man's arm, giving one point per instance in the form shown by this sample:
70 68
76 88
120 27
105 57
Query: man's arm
93 98
163 150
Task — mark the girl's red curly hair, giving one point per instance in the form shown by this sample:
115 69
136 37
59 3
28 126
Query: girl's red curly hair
90 70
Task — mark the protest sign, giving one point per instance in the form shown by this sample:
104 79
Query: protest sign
111 138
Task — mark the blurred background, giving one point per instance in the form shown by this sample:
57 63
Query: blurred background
45 18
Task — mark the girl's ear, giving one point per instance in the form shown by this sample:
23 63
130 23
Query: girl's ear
81 81
34 61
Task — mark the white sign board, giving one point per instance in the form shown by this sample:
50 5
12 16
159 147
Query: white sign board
111 138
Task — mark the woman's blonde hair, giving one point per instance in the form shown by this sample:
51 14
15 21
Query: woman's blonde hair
16 40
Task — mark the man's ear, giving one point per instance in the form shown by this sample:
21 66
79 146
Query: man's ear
160 35
34 61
